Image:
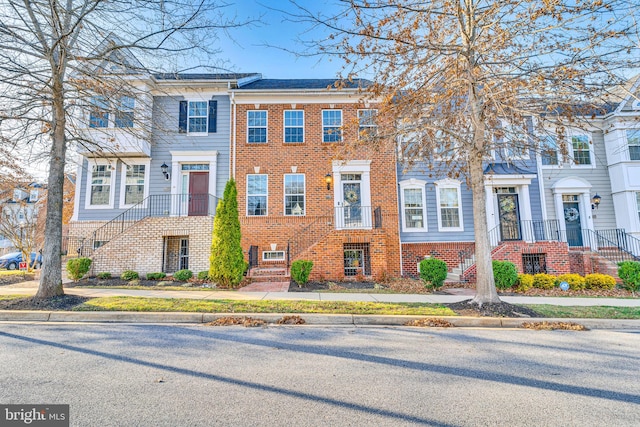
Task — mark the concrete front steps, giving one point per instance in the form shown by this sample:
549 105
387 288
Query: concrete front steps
268 279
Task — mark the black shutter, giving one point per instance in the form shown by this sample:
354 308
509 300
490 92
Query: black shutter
213 116
182 121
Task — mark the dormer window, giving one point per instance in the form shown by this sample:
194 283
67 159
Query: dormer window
33 196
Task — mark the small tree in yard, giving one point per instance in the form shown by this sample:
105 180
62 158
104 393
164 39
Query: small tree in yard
227 263
300 270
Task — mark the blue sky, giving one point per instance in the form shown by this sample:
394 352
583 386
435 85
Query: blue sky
249 53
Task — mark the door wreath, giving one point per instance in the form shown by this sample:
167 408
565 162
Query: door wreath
571 214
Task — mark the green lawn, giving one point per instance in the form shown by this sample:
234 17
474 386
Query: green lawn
595 312
232 306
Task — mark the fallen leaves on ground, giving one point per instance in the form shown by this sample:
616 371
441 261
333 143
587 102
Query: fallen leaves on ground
247 322
429 322
291 320
552 326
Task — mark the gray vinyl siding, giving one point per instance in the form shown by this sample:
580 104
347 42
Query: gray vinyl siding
432 234
598 177
166 138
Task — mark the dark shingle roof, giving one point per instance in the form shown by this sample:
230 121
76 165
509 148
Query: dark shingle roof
270 84
207 76
505 169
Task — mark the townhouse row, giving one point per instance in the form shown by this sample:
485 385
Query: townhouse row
146 200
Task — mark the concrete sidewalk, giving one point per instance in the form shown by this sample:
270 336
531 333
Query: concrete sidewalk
29 288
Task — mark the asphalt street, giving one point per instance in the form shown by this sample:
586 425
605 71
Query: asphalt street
175 375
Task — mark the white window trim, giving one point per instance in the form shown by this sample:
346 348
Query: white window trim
132 111
413 184
508 139
592 156
266 126
284 127
284 194
247 196
339 126
449 183
560 158
189 101
374 126
627 146
273 259
123 179
112 195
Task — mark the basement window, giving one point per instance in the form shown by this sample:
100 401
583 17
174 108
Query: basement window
273 256
534 263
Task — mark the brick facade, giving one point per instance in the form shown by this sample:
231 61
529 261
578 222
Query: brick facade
315 233
142 246
557 255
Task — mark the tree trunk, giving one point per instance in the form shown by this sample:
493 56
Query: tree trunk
485 287
51 274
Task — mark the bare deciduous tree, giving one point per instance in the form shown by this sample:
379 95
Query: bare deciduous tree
466 78
56 55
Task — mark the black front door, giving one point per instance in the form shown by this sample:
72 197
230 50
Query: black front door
509 214
572 220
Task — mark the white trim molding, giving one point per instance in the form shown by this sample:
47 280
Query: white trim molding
413 184
112 163
123 178
445 184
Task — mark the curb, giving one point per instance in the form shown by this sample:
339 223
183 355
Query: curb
310 319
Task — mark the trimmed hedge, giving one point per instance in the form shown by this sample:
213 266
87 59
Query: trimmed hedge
433 272
156 276
599 281
575 281
525 282
78 267
544 281
505 274
129 275
183 275
629 273
104 275
203 275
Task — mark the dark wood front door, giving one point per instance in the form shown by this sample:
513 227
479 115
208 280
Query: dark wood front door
198 193
509 216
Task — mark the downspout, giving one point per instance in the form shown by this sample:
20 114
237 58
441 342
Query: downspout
233 130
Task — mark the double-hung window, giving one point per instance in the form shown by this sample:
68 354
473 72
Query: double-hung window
99 188
124 112
638 203
99 112
449 204
331 125
294 194
197 117
367 123
257 195
549 151
133 183
633 141
294 126
257 127
413 205
581 149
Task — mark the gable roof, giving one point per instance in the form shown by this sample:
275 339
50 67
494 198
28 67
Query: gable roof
204 76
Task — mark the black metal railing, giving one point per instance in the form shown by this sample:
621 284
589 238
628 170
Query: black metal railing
158 205
615 245
528 230
341 217
253 256
306 236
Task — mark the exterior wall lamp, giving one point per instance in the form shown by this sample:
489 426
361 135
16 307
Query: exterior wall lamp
165 171
328 178
595 201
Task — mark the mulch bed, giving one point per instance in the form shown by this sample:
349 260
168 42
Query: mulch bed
15 278
64 302
503 309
